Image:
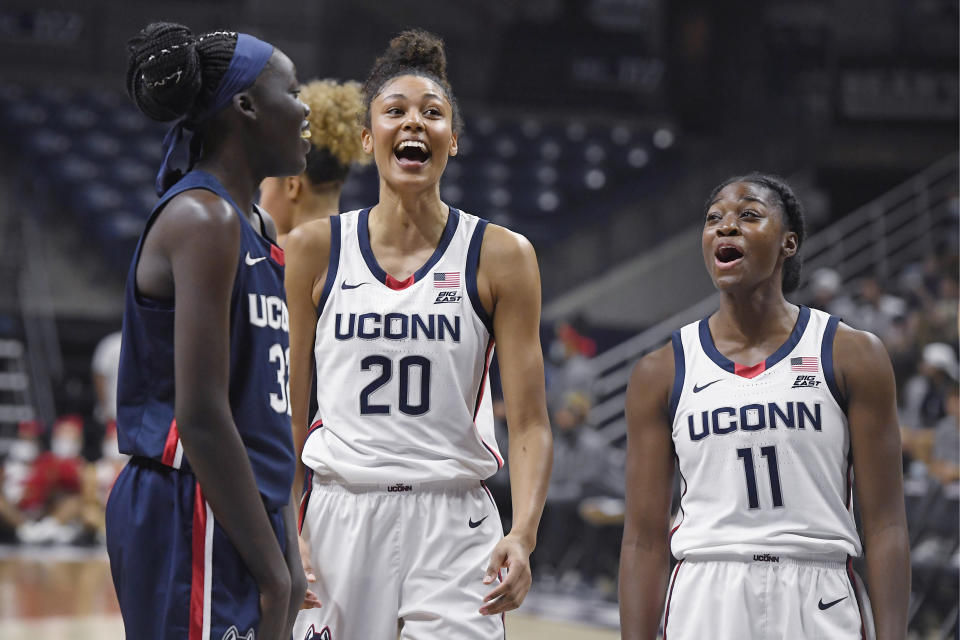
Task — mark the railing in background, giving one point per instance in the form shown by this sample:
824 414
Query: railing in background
879 238
42 344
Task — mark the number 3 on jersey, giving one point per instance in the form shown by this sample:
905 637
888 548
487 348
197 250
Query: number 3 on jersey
407 365
280 402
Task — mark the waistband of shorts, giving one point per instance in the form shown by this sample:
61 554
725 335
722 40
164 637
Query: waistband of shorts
824 561
397 488
156 465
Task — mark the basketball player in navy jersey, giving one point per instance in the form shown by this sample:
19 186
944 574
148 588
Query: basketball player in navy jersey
200 528
770 410
398 306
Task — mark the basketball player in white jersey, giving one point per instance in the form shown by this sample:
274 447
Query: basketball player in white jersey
770 410
399 305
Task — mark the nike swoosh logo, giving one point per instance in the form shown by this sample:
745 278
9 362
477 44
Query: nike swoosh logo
344 285
250 260
823 607
697 389
474 525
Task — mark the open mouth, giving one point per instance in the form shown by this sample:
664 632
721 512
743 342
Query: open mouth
727 254
305 130
412 152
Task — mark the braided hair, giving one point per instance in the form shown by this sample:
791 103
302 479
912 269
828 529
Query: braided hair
172 73
413 52
792 212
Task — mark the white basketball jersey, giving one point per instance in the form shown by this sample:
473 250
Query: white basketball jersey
402 384
763 451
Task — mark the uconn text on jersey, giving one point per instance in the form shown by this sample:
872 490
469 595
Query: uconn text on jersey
755 417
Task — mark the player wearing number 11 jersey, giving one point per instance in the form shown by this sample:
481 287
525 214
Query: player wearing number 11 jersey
399 306
770 411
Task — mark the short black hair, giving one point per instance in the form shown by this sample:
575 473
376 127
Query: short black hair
413 52
793 213
172 73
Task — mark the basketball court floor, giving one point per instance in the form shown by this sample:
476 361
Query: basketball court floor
67 593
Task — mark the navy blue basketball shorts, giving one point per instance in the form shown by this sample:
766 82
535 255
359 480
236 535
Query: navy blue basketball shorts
177 575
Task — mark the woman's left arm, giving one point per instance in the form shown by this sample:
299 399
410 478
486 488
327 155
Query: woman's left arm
509 288
866 376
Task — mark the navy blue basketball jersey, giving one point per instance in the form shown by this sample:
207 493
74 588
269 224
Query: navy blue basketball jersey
259 352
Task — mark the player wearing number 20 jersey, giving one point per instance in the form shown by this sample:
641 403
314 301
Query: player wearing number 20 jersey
403 364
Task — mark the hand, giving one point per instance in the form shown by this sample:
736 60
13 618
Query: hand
310 599
274 605
514 555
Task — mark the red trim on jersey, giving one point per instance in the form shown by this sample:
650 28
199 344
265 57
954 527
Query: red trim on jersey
170 447
489 495
483 387
393 283
750 372
680 512
197 560
304 500
666 615
853 581
316 425
277 254
849 486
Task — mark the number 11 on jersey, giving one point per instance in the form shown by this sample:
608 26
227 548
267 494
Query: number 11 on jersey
770 453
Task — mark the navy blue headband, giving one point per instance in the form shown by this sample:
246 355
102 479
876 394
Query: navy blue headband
250 56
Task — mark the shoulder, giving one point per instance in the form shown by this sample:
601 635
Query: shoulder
854 349
309 238
656 368
202 207
861 361
197 219
504 249
652 377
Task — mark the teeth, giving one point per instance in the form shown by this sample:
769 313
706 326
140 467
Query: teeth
305 134
412 143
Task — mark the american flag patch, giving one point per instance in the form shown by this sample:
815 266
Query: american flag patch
446 280
804 364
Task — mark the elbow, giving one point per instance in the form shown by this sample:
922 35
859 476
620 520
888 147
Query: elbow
197 419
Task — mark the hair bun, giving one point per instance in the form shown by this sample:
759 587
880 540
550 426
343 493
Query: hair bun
163 70
418 49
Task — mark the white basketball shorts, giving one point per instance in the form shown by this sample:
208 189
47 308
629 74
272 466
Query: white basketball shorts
774 598
401 560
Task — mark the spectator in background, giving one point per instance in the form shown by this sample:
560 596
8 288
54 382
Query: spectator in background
825 284
105 368
876 311
945 462
23 451
10 516
924 395
568 362
52 490
579 463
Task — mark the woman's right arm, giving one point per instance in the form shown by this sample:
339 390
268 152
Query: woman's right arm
645 554
200 236
307 254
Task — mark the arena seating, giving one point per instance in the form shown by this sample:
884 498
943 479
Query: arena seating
542 177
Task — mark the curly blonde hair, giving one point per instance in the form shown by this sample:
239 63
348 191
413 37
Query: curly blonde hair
335 112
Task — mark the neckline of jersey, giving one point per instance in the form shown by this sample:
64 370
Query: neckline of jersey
725 363
363 235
